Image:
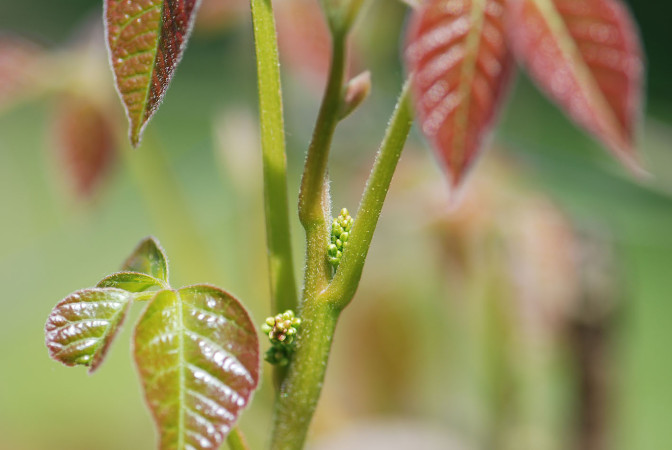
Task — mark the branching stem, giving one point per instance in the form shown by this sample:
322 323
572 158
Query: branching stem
303 384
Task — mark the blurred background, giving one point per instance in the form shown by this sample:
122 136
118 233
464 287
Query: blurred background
536 315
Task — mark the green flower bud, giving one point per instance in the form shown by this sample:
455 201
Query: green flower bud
344 236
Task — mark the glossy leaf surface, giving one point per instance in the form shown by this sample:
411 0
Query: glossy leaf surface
146 39
198 357
130 281
585 55
148 258
458 53
81 327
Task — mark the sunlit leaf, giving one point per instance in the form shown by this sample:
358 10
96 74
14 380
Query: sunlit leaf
457 50
585 54
146 39
130 281
86 144
81 327
148 258
198 357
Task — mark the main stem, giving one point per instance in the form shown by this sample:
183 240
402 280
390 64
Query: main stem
314 202
280 261
301 389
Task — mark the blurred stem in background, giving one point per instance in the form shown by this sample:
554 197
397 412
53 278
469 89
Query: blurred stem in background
165 201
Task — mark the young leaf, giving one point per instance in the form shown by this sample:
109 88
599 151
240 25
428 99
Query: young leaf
461 63
148 258
198 356
81 327
146 39
586 56
130 281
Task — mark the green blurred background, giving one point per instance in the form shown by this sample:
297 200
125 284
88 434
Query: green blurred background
542 300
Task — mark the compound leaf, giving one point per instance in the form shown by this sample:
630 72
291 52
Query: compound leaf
81 327
460 61
146 39
198 356
148 258
586 56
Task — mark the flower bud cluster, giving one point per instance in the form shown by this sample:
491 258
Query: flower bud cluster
281 330
340 233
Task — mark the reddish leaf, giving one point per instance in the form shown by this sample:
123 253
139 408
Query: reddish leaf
198 356
585 54
18 68
146 39
304 39
81 327
457 50
85 141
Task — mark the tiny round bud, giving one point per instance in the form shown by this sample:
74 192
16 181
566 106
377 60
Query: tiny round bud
296 322
266 328
339 244
344 236
332 249
270 321
344 212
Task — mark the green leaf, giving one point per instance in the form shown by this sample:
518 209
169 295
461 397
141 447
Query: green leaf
131 282
81 327
198 356
146 39
148 258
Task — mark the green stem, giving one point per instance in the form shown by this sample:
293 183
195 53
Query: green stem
236 440
314 203
278 232
301 389
345 282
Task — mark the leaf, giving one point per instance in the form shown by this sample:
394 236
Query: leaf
81 327
198 357
457 50
586 56
19 63
85 141
148 258
130 281
146 39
